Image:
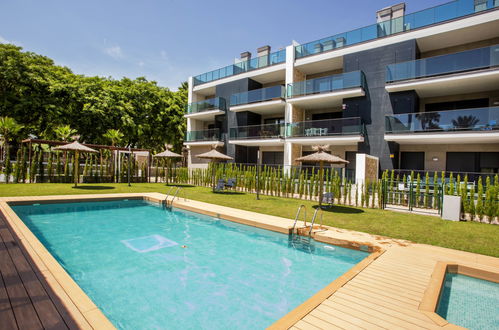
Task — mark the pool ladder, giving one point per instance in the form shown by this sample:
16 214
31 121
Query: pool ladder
169 205
297 216
317 210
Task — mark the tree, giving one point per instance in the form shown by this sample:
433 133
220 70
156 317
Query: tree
8 129
114 136
64 132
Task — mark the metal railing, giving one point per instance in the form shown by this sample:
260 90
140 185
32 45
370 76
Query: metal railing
327 84
265 131
258 95
217 103
325 127
475 119
243 66
474 59
438 14
203 135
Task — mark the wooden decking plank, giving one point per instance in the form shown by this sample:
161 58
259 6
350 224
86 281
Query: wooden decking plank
7 318
406 266
408 310
357 322
390 280
377 273
387 311
302 325
395 271
320 314
375 313
321 324
47 313
22 307
382 292
378 296
391 287
361 314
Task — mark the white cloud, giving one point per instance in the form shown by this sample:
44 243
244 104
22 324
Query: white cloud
163 55
4 41
114 51
141 63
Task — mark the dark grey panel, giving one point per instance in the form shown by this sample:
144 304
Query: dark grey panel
377 103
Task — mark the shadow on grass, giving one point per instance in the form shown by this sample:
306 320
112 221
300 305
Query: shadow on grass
183 185
93 187
341 209
229 193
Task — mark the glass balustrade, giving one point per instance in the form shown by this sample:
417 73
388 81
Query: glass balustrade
258 95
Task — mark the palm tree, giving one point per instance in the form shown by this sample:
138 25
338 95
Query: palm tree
8 128
465 121
64 132
115 136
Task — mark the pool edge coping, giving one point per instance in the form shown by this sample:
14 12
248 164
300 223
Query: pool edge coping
431 297
87 314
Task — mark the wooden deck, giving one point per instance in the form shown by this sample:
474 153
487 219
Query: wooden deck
26 300
387 294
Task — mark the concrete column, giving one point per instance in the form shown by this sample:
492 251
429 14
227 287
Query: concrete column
290 63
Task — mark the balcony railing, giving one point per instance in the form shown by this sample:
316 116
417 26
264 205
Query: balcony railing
478 119
266 131
217 103
327 84
326 127
419 19
258 95
475 59
244 66
203 135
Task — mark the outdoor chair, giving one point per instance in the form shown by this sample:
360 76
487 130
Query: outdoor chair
327 199
220 185
231 183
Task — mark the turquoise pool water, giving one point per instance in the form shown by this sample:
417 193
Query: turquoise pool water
470 302
128 256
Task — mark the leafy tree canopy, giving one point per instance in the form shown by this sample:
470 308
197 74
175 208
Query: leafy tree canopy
44 97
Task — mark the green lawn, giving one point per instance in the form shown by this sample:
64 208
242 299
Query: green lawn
467 236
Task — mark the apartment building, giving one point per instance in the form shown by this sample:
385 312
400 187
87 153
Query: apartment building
420 91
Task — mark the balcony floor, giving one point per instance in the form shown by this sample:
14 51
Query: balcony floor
458 83
326 99
331 140
205 115
444 137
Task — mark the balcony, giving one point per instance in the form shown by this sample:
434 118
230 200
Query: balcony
203 137
438 14
206 109
479 125
464 72
268 100
258 135
327 91
241 67
341 131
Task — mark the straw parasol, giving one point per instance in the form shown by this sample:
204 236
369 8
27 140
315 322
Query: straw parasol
321 156
167 154
214 156
77 147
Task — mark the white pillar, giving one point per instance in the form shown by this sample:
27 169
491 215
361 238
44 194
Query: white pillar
288 114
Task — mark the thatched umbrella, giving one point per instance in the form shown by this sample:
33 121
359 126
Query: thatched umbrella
167 154
77 147
214 156
321 156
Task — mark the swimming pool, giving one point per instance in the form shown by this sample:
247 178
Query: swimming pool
146 267
469 302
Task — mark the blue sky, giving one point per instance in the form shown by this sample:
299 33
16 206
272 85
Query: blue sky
170 40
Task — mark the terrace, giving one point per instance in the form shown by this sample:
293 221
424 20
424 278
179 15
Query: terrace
326 91
420 19
479 125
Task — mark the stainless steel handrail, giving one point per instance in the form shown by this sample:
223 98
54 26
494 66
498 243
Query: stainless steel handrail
313 220
298 214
